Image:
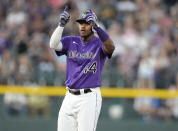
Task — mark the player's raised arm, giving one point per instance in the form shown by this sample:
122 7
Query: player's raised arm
104 37
57 34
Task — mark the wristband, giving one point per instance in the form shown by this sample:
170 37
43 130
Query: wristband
102 34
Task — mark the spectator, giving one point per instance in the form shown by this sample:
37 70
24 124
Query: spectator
7 68
172 104
5 42
15 104
145 106
46 68
146 71
161 67
113 77
20 41
15 17
38 106
24 70
107 11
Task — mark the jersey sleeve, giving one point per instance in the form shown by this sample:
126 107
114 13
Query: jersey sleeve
65 46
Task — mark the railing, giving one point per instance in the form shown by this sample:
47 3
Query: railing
106 92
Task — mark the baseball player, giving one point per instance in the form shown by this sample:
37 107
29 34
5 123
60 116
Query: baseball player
86 55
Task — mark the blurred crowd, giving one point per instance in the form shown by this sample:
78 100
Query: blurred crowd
145 34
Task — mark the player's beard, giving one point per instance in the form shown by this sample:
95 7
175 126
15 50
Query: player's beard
87 36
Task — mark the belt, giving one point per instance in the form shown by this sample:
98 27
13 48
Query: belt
79 92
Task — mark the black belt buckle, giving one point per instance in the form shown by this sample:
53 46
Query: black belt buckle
74 92
78 92
87 90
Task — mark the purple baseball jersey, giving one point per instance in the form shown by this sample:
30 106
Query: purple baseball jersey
85 61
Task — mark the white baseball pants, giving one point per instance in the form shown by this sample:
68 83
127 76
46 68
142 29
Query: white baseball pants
80 112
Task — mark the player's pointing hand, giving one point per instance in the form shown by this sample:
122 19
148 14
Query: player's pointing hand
64 17
91 18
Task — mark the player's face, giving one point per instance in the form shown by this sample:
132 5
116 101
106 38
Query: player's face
85 29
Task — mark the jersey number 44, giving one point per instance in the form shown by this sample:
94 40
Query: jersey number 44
91 68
